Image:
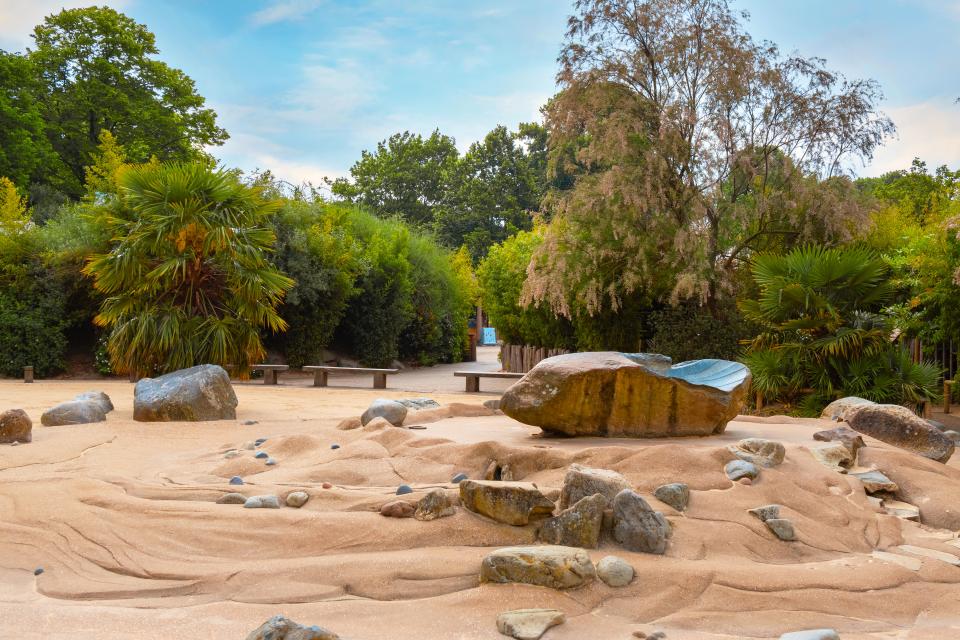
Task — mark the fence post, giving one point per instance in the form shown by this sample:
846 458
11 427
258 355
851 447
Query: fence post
28 374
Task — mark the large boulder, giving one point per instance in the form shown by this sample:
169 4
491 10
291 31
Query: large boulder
73 412
15 426
513 503
282 628
545 566
97 397
637 526
900 427
634 395
578 526
837 410
390 410
582 481
199 393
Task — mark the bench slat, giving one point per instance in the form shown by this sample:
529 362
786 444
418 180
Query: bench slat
348 369
487 374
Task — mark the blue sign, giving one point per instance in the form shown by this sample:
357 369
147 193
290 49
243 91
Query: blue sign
489 336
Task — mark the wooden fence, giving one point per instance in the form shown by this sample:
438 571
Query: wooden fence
520 358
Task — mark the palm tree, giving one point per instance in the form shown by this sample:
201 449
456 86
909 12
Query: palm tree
187 280
822 331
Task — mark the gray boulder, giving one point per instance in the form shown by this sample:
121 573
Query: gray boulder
766 453
637 526
581 482
15 426
73 412
196 394
262 502
282 628
614 571
419 404
837 410
436 504
390 410
99 397
900 427
577 526
675 494
738 469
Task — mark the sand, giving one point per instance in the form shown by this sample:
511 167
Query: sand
122 518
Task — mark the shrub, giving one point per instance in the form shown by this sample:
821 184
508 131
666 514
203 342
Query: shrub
689 331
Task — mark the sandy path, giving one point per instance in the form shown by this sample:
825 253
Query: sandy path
122 518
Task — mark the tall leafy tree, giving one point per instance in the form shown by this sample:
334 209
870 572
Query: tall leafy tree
98 71
187 280
691 145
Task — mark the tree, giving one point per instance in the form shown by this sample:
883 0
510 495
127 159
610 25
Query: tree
405 177
14 216
98 73
187 279
691 146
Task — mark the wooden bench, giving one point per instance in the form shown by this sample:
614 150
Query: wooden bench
320 374
270 371
473 377
946 394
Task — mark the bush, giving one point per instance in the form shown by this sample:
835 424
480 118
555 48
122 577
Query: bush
690 332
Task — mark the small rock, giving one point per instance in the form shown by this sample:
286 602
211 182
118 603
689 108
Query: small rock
528 624
398 509
843 434
15 443
233 453
736 469
262 502
513 503
580 482
261 455
334 446
250 423
782 528
811 634
434 505
493 404
297 499
270 462
874 481
38 571
259 441
767 512
327 485
675 494
614 571
835 456
73 412
281 628
15 426
745 481
766 453
416 427
391 410
236 480
457 479
656 635
419 404
232 498
404 489
545 566
98 397
638 527
577 526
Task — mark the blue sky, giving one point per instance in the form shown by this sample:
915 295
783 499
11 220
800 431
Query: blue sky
304 85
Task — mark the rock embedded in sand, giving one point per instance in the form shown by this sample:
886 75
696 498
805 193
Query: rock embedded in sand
900 427
736 469
390 410
15 426
544 566
38 571
419 404
843 434
327 485
282 628
404 489
513 503
675 494
297 499
628 395
434 505
953 435
837 410
576 526
457 479
811 634
766 512
233 453
580 482
270 462
528 624
874 481
73 412
782 528
834 456
261 455
493 404
232 498
637 526
199 393
766 453
262 502
334 446
615 571
236 480
398 509
99 398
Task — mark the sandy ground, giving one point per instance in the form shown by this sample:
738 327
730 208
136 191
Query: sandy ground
122 518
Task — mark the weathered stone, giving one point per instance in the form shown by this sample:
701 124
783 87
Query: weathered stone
434 505
577 526
766 453
528 624
281 628
73 412
874 481
953 435
460 477
262 502
675 494
811 634
837 410
419 404
15 426
737 469
932 554
390 410
513 503
634 395
99 397
614 571
236 480
638 527
834 456
782 528
232 498
581 482
398 509
545 566
297 499
493 404
199 393
843 434
404 489
766 512
902 510
900 427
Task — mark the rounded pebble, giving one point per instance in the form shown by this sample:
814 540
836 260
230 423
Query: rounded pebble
236 480
457 479
259 441
746 481
232 498
614 571
270 462
327 485
297 499
262 502
404 489
334 446
250 422
38 571
261 455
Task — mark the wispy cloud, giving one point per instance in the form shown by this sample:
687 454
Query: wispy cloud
19 17
284 11
927 130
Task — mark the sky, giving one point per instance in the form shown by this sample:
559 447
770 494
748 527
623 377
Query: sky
303 86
